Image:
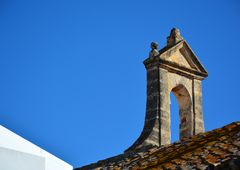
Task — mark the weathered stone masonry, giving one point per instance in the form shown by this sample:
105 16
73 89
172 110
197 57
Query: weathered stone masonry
175 68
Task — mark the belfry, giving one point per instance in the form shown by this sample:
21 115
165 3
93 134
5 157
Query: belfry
175 68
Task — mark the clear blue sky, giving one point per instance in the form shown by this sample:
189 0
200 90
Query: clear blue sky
71 72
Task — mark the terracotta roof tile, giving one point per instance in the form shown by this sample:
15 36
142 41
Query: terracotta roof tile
217 149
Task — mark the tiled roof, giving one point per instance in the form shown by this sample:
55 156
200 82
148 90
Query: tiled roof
217 149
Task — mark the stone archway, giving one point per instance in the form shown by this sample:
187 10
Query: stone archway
185 110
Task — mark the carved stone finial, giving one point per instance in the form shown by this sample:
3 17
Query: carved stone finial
154 52
174 37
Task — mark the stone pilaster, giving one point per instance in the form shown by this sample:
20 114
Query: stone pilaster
164 108
198 114
151 130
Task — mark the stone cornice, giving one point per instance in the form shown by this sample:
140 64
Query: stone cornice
174 68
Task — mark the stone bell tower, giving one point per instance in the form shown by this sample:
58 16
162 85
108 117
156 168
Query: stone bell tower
174 68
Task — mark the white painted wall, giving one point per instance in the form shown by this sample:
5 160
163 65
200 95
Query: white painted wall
16 153
13 160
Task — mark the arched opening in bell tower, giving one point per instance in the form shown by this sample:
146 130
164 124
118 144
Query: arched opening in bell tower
180 113
174 119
